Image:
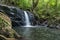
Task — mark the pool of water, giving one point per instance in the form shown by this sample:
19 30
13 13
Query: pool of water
38 33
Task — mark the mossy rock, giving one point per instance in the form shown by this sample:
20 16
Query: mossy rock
5 26
4 20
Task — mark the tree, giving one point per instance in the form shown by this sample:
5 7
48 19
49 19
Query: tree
34 4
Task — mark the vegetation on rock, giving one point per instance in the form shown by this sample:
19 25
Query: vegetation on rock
6 28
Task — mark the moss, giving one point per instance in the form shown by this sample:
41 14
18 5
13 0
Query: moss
3 23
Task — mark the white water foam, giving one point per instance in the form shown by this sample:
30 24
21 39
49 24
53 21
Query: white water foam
28 24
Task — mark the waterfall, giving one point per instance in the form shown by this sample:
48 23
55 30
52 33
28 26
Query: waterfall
27 20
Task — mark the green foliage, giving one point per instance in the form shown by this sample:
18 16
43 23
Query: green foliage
24 4
3 23
47 9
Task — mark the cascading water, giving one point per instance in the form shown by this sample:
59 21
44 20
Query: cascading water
27 27
27 30
19 19
27 20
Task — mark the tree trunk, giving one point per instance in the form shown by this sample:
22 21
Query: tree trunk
34 4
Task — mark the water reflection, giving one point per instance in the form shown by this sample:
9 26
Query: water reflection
38 33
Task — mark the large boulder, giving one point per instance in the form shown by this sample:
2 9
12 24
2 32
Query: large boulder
6 27
5 20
